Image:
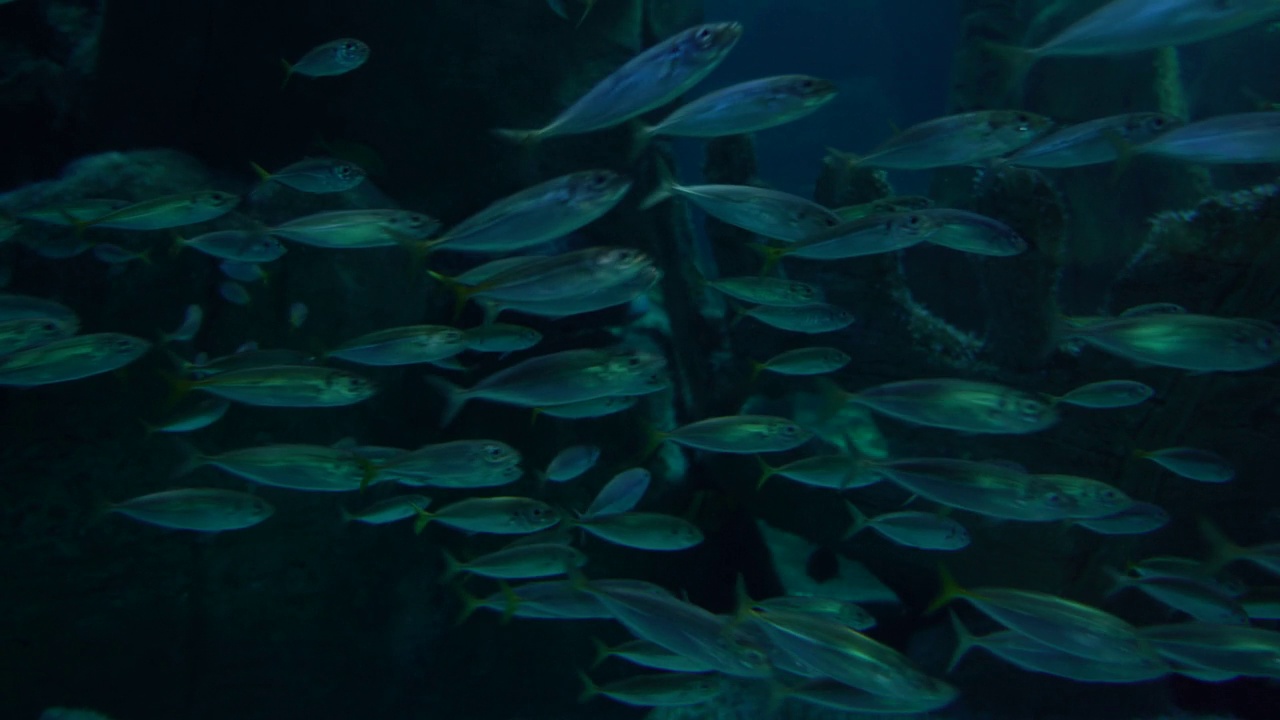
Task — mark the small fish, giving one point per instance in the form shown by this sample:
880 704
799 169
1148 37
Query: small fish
489 478
851 615
952 140
742 434
827 471
1192 463
309 468
199 509
594 408
29 332
285 386
1228 649
771 213
1137 519
621 494
1086 497
243 246
73 211
804 361
885 206
1241 139
235 293
651 79
841 697
1202 343
536 215
298 313
643 531
16 307
1109 394
566 277
768 290
316 175
244 358
195 416
499 337
494 515
393 509
408 345
242 271
1192 598
519 562
926 531
859 238
336 57
1188 570
1094 142
456 459
113 254
746 108
192 320
656 690
572 462
647 654
988 489
1265 556
972 233
166 212
345 229
628 287
71 358
810 319
963 405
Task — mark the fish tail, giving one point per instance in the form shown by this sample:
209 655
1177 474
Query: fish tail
178 387
451 566
585 13
860 520
179 243
1222 551
850 160
950 590
602 652
191 459
742 603
455 397
660 194
772 256
288 72
653 440
470 603
510 601
640 139
420 524
369 472
589 688
524 138
345 515
965 641
1119 581
263 174
533 418
461 292
766 471
756 369
1019 61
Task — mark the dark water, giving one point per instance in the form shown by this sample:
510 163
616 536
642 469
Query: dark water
307 616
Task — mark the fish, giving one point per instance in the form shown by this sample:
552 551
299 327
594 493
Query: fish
621 494
519 562
858 238
770 213
850 614
1200 343
1095 142
643 531
70 212
298 313
493 515
593 408
988 489
1069 626
1088 498
1188 570
622 288
28 332
893 204
839 471
344 229
245 360
499 337
310 468
838 696
1192 598
1265 556
972 233
649 80
246 246
243 272
392 509
535 215
284 386
194 416
741 434
963 139
17 307
812 319
1229 649
455 459
569 276
1239 139
408 345
647 654
926 531
163 213
777 292
198 509
315 175
1029 654
559 378
1137 519
487 478
1108 394
1192 463
235 293
804 361
71 358
656 690
192 320
113 254
970 406
746 107
572 462
336 57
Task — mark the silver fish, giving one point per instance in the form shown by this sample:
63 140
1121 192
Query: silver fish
647 654
195 416
402 346
1109 394
166 212
926 531
778 292
493 515
393 509
336 57
499 337
984 488
743 434
622 493
1241 139
316 175
1192 463
73 211
643 531
310 468
952 140
248 246
746 107
16 307
1137 519
972 233
1093 142
771 213
955 404
571 462
656 690
805 361
200 509
651 79
70 359
809 319
286 386
517 562
593 408
1203 343
342 229
858 238
22 333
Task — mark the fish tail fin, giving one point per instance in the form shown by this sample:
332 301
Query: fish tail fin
470 603
603 652
640 140
345 514
666 184
190 458
178 387
850 160
510 601
965 641
1018 60
1119 581
742 603
451 566
455 398
461 292
491 312
585 13
772 256
533 417
288 72
589 688
523 138
420 524
179 242
263 174
950 590
766 471
1125 151
860 520
756 369
145 257
368 472
1222 551
653 440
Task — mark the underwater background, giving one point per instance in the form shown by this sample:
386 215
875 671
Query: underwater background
288 600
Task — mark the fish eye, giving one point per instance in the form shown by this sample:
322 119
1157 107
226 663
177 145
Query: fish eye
1157 122
49 327
703 36
1266 342
122 345
599 180
633 361
789 430
494 451
1054 499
